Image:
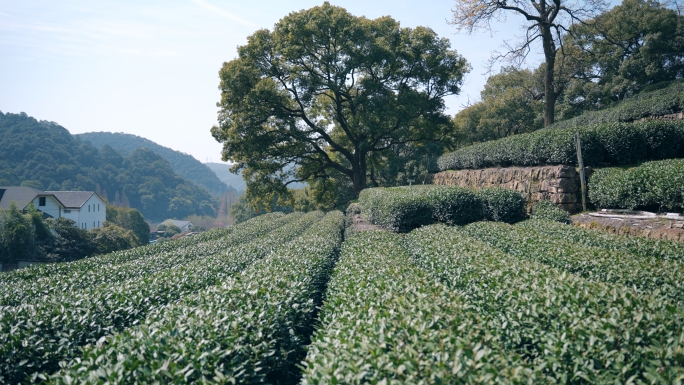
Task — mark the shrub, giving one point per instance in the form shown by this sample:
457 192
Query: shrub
603 144
640 246
35 337
545 209
403 208
660 101
658 185
571 329
502 205
385 321
252 328
648 275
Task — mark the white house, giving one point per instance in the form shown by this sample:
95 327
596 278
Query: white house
85 208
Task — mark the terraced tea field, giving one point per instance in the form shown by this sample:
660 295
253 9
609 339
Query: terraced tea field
285 299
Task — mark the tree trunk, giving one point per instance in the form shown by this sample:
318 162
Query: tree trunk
359 167
549 86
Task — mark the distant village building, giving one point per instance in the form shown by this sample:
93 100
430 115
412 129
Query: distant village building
86 208
184 226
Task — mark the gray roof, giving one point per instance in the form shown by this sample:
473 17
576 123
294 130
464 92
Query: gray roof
180 224
21 194
72 199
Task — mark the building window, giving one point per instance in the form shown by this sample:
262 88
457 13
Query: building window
41 201
98 207
67 211
93 223
88 208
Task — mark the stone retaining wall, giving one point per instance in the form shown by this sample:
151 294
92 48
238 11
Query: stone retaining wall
559 184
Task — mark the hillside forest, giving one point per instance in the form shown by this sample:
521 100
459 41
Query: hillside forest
44 155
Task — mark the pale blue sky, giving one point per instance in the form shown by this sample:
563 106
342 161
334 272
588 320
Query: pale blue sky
150 68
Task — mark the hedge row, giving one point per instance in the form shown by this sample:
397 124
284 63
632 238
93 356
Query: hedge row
664 101
386 322
404 208
82 277
545 209
250 329
35 337
570 329
653 185
602 145
100 261
652 275
640 246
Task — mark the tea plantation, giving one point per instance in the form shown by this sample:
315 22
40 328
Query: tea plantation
286 299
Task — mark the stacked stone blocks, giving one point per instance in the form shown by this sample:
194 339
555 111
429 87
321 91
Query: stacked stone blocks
559 184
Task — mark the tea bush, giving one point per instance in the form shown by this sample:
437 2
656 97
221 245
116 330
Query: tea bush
658 184
403 209
606 144
545 209
648 275
387 322
35 337
640 246
249 329
571 329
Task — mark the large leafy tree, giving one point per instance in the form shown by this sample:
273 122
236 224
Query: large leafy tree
635 44
545 22
324 91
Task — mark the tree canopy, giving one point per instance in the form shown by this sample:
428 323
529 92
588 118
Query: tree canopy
622 51
545 22
510 105
326 90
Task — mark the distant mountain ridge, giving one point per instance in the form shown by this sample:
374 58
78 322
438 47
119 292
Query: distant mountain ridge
236 181
227 177
186 166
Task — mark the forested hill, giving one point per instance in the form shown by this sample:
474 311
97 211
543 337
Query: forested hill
183 164
45 155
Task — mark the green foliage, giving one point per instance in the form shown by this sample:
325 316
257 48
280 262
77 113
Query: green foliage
71 243
25 285
655 102
403 208
110 238
243 209
100 262
652 185
16 236
656 276
45 153
502 205
169 230
271 309
510 105
130 219
28 336
624 50
386 321
640 246
186 166
329 93
545 209
569 329
602 144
